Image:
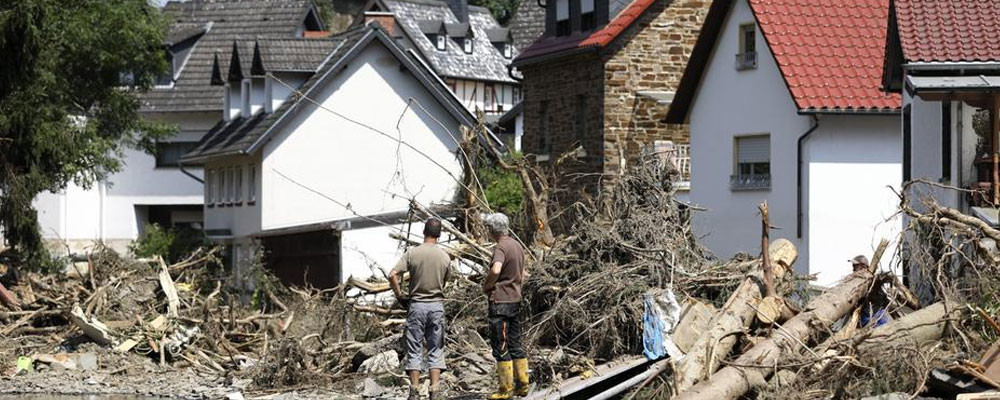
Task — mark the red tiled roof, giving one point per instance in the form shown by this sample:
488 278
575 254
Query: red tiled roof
949 30
600 38
830 52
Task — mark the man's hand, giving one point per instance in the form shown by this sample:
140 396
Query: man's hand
403 301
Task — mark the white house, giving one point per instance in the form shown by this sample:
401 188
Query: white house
784 103
155 188
323 144
943 89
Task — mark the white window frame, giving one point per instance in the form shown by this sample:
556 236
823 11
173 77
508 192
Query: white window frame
467 45
209 187
751 180
252 184
442 41
507 51
238 192
230 186
220 185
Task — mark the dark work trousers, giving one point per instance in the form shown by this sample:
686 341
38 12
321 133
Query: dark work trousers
505 331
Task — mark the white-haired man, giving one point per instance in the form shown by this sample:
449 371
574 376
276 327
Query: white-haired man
503 289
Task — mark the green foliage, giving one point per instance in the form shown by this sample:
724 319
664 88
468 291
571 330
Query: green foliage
173 244
65 113
503 189
502 10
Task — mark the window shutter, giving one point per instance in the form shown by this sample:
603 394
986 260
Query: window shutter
754 149
586 6
562 10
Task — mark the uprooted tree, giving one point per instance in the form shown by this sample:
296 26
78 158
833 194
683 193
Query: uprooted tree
68 105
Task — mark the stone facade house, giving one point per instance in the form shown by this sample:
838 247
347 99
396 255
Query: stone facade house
602 77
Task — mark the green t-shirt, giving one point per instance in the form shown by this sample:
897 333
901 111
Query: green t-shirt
429 269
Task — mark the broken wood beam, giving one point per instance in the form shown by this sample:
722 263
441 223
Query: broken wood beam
734 317
752 369
167 285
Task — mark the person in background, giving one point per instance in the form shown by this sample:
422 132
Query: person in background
503 289
872 314
429 268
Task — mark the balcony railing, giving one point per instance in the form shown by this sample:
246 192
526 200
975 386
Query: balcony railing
746 60
681 158
750 182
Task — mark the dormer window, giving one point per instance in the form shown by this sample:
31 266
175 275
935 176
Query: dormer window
507 51
467 45
588 21
167 78
562 18
441 42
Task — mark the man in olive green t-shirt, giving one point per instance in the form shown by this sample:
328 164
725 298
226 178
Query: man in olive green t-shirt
429 268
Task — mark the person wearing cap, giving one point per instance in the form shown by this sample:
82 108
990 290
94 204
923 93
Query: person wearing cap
870 314
430 268
503 291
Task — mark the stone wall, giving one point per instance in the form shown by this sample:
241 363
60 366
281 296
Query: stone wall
650 55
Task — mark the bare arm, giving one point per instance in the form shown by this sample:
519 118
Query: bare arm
394 283
492 276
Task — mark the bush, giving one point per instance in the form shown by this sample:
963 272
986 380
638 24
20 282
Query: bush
173 244
502 188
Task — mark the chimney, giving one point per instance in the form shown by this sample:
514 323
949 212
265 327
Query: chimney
386 20
460 8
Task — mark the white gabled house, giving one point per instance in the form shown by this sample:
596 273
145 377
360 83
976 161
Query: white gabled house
323 144
156 188
784 103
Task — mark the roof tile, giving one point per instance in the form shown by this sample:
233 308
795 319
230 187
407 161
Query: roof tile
830 52
949 30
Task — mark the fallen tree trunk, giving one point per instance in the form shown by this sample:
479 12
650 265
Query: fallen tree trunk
752 369
735 316
918 327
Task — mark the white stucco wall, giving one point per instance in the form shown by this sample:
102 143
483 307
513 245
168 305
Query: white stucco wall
352 164
733 103
927 149
853 164
844 156
108 210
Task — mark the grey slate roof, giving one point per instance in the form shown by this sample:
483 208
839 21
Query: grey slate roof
243 135
231 20
485 63
296 54
527 24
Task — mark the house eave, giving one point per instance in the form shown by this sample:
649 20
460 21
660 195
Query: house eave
849 111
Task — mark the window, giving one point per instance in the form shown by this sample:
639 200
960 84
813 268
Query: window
167 78
230 181
489 98
467 45
587 19
441 41
544 136
747 57
238 192
252 184
517 95
562 18
245 98
508 52
753 163
220 187
168 154
210 187
945 141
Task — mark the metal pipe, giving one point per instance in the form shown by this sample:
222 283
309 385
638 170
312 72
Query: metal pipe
621 387
798 177
189 174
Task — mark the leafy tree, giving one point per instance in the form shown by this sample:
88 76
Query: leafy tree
502 10
70 72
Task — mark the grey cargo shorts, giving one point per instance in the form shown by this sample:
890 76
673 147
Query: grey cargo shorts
425 328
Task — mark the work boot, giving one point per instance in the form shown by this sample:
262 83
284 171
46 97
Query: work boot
521 383
505 379
433 395
414 393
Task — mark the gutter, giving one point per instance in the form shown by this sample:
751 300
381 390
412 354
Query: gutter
798 177
188 173
848 111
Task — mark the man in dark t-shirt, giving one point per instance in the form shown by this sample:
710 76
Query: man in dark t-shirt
503 289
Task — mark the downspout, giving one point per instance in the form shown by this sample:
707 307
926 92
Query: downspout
959 176
189 174
798 176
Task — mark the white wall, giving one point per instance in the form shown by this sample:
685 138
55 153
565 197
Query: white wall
732 103
848 163
280 82
927 151
854 162
352 164
107 211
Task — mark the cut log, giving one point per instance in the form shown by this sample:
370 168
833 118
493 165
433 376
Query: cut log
370 287
734 317
752 369
918 327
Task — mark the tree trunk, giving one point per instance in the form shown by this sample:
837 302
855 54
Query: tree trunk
735 316
918 327
752 369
